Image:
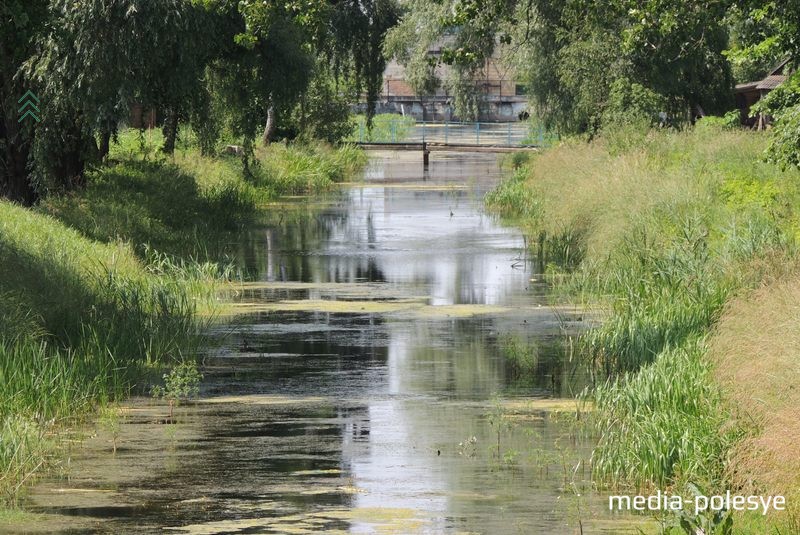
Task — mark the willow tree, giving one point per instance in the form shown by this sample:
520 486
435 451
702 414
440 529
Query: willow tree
283 46
357 32
571 53
94 59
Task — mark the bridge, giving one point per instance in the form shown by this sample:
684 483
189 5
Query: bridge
407 135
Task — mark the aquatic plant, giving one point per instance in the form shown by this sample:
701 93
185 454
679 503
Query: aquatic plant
521 355
181 383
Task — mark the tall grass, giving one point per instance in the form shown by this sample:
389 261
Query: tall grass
661 426
82 322
662 229
755 349
189 205
101 288
304 169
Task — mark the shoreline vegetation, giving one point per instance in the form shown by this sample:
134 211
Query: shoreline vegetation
687 240
106 286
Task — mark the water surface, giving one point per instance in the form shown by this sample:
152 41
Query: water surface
361 386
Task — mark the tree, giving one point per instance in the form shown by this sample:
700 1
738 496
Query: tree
283 46
22 23
89 61
570 52
355 40
98 57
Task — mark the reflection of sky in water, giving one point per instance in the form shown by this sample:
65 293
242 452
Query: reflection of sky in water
393 469
435 239
412 238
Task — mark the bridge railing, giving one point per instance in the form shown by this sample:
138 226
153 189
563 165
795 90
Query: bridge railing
406 130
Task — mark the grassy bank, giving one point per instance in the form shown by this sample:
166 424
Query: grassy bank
187 205
82 323
101 288
664 231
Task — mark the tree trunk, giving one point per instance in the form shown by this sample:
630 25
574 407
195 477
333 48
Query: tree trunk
170 131
14 181
69 160
269 128
105 144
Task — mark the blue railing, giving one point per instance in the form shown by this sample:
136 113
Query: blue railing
456 133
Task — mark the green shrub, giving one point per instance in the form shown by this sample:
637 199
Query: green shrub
182 382
783 97
729 121
785 147
518 159
324 115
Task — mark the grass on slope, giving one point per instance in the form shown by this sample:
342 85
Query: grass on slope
663 231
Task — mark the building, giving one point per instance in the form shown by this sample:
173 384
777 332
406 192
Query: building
751 92
502 98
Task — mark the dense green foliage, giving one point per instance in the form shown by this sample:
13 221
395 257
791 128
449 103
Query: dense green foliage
187 206
588 64
226 67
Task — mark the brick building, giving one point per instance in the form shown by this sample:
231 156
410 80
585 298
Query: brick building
502 98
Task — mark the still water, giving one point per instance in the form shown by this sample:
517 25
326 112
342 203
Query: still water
359 384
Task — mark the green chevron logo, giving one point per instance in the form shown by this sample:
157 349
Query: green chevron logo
28 101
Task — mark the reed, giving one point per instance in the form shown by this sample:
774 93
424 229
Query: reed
83 323
661 230
660 426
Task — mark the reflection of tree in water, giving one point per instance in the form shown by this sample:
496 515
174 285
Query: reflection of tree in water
549 370
277 249
292 245
301 353
465 358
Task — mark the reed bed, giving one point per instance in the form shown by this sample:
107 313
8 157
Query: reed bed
660 427
661 230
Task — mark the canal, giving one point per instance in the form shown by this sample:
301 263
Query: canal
360 383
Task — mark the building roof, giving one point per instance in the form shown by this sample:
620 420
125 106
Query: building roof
777 75
771 82
779 68
749 86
